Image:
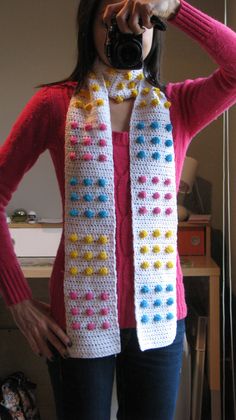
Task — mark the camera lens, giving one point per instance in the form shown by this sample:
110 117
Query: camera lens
129 53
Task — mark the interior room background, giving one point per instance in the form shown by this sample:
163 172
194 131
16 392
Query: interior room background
38 45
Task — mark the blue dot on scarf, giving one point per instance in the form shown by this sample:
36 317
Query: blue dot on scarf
103 214
89 213
102 182
103 197
144 319
157 318
157 302
156 155
145 289
74 196
154 125
141 154
155 140
168 143
169 158
73 181
88 181
74 213
169 316
169 127
88 197
140 140
140 125
144 304
158 288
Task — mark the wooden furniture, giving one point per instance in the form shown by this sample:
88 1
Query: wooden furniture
204 266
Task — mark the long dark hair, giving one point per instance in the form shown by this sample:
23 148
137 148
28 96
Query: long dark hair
86 14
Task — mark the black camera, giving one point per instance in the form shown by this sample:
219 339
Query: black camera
124 50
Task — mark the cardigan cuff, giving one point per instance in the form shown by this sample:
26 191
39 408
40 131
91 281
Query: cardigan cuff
192 21
14 287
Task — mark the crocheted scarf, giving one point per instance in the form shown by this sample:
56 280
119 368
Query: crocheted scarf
90 280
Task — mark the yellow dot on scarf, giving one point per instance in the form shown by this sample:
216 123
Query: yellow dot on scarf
145 91
120 86
169 249
128 75
92 75
74 254
140 76
73 271
100 102
157 264
95 87
143 234
107 83
168 234
169 264
155 102
88 255
88 239
73 237
78 104
144 249
102 255
119 99
157 90
134 93
88 107
103 239
103 271
131 85
167 104
156 233
143 104
156 249
88 271
145 265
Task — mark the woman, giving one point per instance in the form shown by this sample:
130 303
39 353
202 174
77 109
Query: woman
118 167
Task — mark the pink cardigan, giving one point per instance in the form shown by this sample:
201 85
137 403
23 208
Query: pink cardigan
41 126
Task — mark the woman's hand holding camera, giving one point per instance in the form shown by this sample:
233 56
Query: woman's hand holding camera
34 320
130 12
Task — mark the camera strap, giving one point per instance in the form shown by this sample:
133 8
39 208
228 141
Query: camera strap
90 280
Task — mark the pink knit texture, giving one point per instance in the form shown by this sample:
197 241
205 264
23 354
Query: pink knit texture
41 126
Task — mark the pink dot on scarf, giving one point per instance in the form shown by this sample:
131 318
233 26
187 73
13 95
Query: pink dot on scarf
106 325
73 140
155 180
89 296
73 295
156 195
157 210
168 196
102 127
89 311
142 210
169 211
102 142
142 179
142 194
167 181
75 325
72 156
91 326
87 156
88 127
87 141
104 311
102 158
74 124
104 296
74 311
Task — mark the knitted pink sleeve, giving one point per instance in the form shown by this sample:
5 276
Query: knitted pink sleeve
26 141
200 101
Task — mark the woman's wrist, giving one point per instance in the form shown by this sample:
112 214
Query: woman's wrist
176 7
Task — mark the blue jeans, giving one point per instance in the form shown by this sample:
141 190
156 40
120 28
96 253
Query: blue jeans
147 381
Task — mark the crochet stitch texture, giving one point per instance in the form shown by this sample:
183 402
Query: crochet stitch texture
90 263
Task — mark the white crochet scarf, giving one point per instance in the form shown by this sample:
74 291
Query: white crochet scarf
90 280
